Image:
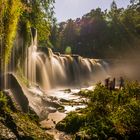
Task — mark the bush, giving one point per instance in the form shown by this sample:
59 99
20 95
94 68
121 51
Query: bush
71 123
3 101
109 114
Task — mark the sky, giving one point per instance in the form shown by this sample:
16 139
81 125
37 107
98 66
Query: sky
66 9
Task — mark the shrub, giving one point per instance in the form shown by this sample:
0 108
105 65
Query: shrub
71 123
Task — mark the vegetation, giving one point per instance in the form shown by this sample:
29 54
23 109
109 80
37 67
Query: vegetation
110 114
9 16
101 34
16 19
16 125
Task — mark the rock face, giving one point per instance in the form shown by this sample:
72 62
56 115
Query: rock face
18 92
16 125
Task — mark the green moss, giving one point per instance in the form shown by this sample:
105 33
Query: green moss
23 126
71 123
11 19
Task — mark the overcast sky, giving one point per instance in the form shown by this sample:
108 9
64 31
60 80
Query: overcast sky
66 9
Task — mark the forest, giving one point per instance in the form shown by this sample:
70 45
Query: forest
101 34
53 75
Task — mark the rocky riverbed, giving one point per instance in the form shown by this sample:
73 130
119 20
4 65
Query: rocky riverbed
61 102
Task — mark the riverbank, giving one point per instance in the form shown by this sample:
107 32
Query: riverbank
69 100
14 124
108 115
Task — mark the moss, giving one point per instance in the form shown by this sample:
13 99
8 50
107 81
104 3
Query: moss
11 19
69 123
21 125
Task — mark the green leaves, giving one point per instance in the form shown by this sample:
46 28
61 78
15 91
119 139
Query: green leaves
109 114
11 11
101 34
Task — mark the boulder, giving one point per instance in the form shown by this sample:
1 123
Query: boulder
51 103
16 91
82 136
6 133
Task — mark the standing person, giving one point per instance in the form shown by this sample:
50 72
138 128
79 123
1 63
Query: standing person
107 80
114 83
121 85
111 84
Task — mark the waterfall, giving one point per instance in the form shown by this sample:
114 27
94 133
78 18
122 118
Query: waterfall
50 70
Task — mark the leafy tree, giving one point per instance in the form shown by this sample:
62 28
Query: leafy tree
102 34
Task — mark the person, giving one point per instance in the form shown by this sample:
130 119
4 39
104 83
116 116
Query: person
114 83
107 83
121 85
111 85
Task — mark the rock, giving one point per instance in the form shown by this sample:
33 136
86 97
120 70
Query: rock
52 98
51 103
45 50
18 92
61 109
33 115
34 33
82 136
51 109
6 133
11 101
57 53
67 90
64 100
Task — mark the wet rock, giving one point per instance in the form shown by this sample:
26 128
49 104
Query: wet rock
82 136
6 133
67 90
43 115
51 103
64 100
18 93
57 53
51 109
52 98
33 115
46 50
61 109
11 101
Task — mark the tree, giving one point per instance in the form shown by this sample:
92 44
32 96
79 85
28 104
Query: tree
40 16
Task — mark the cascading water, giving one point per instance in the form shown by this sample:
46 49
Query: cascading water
49 70
34 62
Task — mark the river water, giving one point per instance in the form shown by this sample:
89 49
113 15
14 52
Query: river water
71 102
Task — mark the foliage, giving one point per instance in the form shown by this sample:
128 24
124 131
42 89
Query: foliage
109 114
69 123
40 16
16 19
9 18
3 100
101 34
